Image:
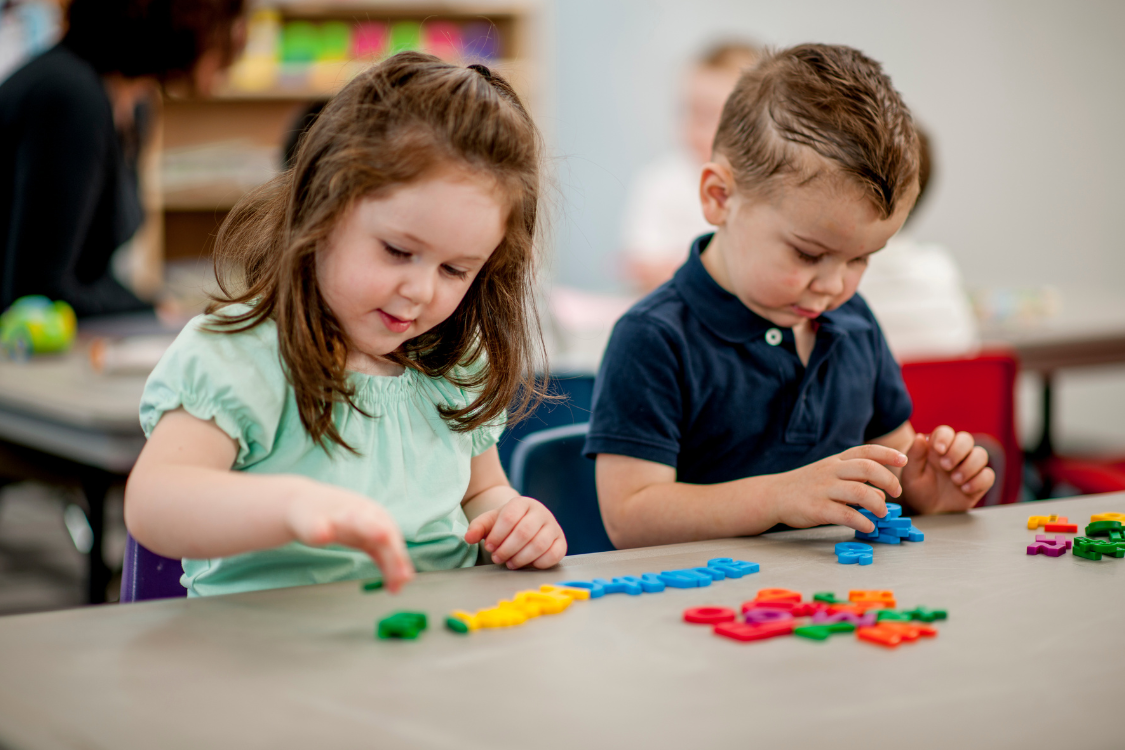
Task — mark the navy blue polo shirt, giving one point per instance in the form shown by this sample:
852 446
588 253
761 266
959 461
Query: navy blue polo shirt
693 379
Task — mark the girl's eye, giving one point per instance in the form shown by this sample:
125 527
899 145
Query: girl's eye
394 252
860 261
456 273
806 258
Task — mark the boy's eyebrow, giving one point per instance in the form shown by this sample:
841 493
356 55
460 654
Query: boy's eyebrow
811 241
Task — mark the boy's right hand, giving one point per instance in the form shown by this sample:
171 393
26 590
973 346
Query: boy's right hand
821 492
326 514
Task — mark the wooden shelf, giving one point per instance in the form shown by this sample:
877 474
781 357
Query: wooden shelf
183 217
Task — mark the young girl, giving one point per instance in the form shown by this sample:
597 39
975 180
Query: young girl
344 403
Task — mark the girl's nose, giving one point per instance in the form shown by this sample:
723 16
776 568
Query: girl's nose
418 285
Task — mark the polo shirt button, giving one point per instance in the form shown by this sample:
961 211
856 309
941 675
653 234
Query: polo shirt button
773 337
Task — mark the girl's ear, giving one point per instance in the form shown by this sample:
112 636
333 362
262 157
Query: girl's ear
716 187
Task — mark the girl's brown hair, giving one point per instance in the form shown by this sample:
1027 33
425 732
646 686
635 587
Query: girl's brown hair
395 123
831 99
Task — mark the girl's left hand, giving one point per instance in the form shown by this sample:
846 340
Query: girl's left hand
519 533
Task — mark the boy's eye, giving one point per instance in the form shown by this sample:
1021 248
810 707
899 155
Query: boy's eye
456 273
806 258
394 252
860 261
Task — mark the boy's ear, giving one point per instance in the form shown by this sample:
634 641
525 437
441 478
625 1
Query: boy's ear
716 187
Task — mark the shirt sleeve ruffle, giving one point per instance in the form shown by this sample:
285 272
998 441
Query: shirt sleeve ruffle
234 379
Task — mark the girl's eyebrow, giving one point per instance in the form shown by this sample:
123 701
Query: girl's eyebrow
416 241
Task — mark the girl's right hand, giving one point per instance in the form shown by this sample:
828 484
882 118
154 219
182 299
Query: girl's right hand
821 492
325 514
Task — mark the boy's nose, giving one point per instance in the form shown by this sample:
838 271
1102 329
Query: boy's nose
831 282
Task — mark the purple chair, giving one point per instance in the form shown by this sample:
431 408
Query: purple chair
147 575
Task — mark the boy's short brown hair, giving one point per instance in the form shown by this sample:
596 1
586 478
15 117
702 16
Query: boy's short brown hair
831 99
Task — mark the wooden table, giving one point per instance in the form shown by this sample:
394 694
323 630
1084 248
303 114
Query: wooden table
61 421
1030 657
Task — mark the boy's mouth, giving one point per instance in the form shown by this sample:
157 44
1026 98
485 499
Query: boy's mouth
396 325
804 312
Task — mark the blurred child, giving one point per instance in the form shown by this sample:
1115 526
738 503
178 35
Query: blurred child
342 407
662 213
916 291
755 388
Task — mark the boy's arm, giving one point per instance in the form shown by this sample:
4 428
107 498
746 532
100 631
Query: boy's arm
515 530
946 471
642 503
183 500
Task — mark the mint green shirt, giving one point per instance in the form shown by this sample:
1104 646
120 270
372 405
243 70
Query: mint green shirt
410 461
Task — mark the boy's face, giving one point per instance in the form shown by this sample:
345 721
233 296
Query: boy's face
798 252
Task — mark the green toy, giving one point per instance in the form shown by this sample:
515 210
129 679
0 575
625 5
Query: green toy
401 625
36 325
821 632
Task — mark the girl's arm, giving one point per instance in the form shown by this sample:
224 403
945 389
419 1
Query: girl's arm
517 530
644 505
183 500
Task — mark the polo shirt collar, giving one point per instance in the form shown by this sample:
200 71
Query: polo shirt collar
725 315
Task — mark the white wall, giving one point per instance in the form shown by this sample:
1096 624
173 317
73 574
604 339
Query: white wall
1025 101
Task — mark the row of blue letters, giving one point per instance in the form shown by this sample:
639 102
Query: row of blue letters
651 583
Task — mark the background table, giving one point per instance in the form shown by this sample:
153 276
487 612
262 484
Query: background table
1088 331
62 422
1030 657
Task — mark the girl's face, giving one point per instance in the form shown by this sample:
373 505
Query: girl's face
397 265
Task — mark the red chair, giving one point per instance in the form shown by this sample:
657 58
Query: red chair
1088 476
977 395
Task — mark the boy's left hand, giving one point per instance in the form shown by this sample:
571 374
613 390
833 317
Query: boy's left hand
945 471
521 532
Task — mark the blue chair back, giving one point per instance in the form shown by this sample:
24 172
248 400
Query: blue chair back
578 390
147 575
549 466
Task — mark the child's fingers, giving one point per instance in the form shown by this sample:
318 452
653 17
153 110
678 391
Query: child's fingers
384 543
916 459
971 466
941 438
976 487
520 537
856 493
878 453
866 470
961 446
535 548
842 515
508 517
552 556
480 527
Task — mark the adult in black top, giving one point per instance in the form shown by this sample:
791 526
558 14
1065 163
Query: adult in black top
68 187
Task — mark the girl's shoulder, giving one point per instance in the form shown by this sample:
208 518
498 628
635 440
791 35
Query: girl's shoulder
217 335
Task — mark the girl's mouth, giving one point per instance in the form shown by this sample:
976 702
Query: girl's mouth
393 324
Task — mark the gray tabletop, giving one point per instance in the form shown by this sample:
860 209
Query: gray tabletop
1031 657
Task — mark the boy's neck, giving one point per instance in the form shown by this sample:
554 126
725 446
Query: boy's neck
714 261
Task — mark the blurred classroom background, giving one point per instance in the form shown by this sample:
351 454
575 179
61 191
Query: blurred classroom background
1022 100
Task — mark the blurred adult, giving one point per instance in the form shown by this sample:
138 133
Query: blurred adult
70 137
662 213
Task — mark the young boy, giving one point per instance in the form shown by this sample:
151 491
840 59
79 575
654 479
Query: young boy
755 388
